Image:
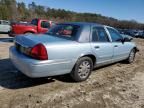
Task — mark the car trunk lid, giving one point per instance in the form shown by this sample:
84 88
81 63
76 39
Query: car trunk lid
25 43
32 39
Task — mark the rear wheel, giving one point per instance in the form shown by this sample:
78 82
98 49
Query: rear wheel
82 69
131 56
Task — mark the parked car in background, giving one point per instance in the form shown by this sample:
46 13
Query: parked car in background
143 34
122 31
131 33
127 36
36 26
74 48
140 34
137 34
134 33
5 26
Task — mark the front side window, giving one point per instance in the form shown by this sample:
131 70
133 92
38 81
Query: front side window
66 30
99 35
116 37
45 24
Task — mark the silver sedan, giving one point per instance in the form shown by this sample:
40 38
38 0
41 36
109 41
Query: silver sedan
70 48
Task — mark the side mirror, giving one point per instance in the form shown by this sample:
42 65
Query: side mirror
126 39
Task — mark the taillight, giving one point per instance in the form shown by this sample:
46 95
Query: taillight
39 52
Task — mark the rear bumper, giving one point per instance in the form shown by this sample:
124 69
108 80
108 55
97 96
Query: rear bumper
35 68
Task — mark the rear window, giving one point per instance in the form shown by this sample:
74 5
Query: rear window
64 30
34 22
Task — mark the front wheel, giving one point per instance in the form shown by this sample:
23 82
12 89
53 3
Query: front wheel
82 69
131 56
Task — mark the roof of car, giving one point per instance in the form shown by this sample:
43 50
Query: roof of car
84 23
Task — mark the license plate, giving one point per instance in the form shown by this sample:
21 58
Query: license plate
22 49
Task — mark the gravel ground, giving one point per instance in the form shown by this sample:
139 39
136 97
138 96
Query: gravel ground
118 85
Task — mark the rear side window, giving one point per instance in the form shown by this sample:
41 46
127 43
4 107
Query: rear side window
115 35
66 30
99 35
45 24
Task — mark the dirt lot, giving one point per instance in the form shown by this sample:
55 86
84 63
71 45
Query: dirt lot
116 86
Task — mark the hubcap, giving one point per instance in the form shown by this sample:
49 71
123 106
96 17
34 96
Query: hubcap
131 56
84 69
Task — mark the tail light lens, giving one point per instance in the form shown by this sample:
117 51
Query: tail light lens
39 52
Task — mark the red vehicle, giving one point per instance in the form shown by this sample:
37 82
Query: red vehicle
35 26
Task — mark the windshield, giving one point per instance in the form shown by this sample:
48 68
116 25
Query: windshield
64 30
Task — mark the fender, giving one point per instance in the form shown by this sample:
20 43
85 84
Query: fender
30 30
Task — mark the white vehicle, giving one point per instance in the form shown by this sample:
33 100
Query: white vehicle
5 26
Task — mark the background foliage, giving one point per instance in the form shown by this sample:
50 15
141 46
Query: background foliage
11 10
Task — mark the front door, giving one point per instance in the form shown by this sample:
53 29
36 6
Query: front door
121 50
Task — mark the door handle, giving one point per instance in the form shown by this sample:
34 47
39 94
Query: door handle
116 46
96 47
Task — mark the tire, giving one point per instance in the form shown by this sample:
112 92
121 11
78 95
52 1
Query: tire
131 57
82 69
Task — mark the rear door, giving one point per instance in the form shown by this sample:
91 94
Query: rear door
121 50
101 46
